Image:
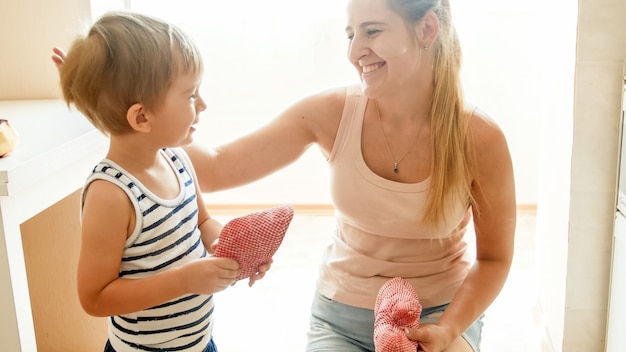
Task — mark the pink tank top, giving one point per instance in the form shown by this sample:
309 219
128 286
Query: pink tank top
380 233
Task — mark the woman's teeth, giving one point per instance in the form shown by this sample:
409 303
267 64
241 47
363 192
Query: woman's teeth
370 68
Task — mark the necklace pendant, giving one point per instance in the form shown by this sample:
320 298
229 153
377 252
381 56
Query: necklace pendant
395 168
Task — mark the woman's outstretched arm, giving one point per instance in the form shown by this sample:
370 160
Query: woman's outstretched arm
312 120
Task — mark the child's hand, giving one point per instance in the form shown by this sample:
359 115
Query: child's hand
58 57
213 246
260 274
209 275
252 239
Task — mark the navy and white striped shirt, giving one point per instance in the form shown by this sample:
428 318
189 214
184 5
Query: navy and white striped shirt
166 235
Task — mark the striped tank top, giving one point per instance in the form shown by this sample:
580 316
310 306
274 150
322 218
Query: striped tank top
166 235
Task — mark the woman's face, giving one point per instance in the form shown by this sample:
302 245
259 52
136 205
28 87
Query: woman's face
384 50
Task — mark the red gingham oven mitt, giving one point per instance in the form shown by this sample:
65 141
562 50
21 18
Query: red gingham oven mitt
253 239
397 306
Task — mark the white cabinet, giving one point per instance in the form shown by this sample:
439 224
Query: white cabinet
56 150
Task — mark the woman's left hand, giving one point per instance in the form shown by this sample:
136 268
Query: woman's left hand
431 337
58 57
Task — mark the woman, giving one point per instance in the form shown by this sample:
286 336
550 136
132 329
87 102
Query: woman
411 165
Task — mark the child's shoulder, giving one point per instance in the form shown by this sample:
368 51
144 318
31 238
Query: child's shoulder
178 153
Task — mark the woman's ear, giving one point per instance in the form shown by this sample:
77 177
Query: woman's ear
428 29
137 119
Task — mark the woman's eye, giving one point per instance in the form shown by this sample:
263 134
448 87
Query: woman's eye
193 96
373 31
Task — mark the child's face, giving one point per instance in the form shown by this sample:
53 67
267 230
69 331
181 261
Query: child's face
173 121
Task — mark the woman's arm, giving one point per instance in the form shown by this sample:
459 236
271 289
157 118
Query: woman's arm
314 119
107 220
494 222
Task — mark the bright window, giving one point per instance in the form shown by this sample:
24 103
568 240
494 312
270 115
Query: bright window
261 56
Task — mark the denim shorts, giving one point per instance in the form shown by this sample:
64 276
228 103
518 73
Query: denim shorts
209 348
336 327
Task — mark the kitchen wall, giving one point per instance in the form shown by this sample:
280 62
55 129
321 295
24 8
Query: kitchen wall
29 29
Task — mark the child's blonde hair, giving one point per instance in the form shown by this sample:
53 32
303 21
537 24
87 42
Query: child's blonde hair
126 58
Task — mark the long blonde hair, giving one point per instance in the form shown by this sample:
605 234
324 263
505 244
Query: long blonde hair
452 159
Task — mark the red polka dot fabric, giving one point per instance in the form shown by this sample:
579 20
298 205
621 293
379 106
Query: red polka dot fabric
397 306
253 239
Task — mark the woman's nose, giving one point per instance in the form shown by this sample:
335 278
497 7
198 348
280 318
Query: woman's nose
357 50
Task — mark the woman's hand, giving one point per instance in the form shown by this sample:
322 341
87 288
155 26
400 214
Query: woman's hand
431 337
58 57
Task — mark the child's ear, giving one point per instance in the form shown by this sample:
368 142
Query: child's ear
137 118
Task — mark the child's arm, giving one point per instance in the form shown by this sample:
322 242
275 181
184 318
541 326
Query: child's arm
210 228
108 219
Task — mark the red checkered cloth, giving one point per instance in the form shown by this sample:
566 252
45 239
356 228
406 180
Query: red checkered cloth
397 307
253 239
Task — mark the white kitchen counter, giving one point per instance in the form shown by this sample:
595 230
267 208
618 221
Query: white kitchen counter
57 148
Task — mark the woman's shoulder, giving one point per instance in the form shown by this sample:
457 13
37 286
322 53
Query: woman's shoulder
480 121
318 114
484 129
331 96
323 104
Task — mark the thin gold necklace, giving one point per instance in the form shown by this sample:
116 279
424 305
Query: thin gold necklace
395 163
